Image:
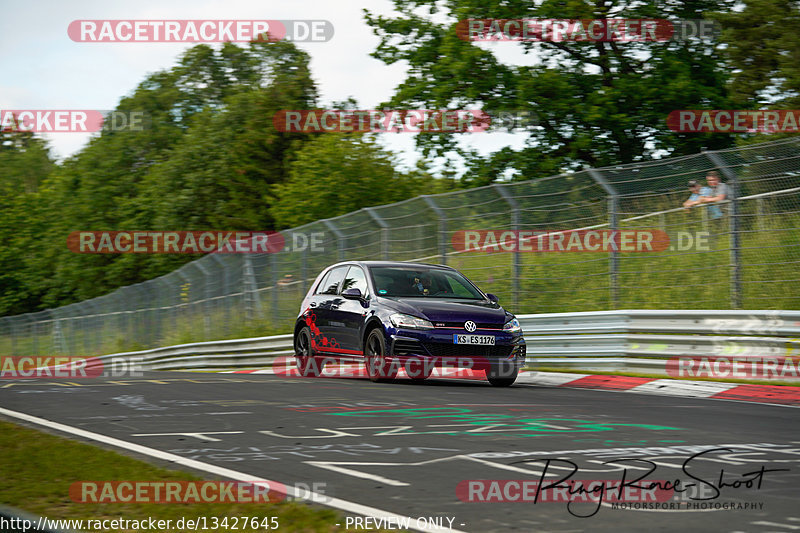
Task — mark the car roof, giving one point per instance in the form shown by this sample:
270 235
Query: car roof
393 264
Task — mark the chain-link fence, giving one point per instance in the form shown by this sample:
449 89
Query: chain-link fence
517 240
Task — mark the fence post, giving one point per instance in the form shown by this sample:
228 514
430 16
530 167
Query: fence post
340 238
304 270
125 317
35 330
273 268
88 319
736 252
442 226
252 304
184 290
516 260
384 232
13 329
223 299
59 346
613 224
207 298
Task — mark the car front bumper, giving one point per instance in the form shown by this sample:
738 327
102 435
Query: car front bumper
436 348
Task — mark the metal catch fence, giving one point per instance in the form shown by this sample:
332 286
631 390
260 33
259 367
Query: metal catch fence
553 244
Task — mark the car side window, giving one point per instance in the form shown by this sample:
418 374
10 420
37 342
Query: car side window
322 284
458 289
330 284
356 279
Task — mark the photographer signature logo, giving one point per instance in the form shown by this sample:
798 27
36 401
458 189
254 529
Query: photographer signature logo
695 485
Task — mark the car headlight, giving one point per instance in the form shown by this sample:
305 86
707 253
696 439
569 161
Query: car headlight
400 320
512 326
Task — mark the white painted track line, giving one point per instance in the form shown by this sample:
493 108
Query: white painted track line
692 389
343 505
548 379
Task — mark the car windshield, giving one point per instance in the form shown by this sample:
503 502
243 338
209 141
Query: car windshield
422 282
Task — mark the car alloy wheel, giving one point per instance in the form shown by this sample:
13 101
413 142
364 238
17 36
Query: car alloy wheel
308 365
378 367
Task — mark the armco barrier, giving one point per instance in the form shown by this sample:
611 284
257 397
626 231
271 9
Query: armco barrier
623 341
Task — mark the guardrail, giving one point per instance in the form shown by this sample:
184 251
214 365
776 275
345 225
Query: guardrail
623 341
258 351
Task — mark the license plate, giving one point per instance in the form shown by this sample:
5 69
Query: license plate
474 339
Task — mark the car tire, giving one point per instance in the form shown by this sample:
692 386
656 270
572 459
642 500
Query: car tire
378 367
308 365
502 374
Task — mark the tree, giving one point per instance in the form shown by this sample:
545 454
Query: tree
220 173
764 49
335 174
206 159
25 162
596 103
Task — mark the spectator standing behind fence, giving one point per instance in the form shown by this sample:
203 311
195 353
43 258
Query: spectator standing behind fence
719 193
697 194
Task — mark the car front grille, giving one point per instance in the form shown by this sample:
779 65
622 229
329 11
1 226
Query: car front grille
460 325
467 350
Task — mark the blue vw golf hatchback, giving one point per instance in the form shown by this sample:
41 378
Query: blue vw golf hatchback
414 316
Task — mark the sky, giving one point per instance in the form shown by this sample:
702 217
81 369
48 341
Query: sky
42 68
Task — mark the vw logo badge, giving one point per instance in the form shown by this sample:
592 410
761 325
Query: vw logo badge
470 326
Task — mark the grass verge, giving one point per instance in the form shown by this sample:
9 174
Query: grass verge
38 468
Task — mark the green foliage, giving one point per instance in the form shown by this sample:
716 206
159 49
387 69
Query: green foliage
764 51
209 157
25 162
205 159
596 103
335 174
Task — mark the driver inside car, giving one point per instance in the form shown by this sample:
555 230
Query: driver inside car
422 284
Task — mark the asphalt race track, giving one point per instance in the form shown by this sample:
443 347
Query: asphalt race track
411 448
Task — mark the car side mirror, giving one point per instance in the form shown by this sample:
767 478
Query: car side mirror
492 297
352 294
